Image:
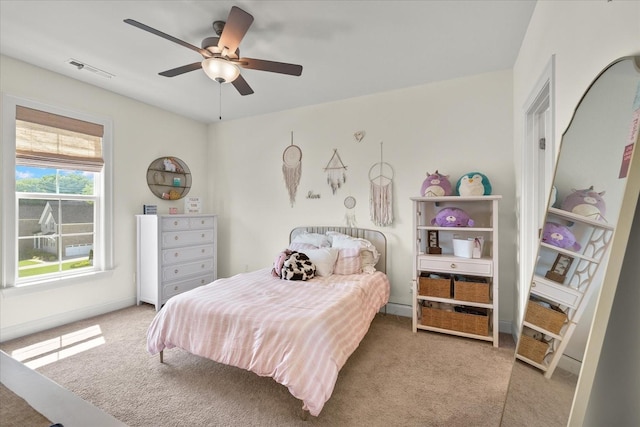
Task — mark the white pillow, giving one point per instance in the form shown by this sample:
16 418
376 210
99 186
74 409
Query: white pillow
368 253
301 247
316 239
324 260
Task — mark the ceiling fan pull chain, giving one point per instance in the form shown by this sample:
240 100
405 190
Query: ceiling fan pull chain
220 99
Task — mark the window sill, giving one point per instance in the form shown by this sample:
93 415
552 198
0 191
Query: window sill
48 285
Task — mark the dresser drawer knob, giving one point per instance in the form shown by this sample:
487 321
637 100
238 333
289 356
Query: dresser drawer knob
176 238
176 255
202 266
203 235
175 222
202 222
202 281
453 265
175 289
175 271
202 250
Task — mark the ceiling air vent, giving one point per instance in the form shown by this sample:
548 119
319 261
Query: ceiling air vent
86 67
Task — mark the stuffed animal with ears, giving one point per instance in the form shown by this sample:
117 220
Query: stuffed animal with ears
170 165
452 217
436 185
560 236
585 202
473 184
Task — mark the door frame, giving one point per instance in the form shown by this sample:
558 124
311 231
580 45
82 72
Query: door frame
540 103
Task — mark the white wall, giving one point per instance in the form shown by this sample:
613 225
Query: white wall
455 126
585 36
141 134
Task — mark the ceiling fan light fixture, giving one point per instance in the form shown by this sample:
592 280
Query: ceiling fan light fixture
220 70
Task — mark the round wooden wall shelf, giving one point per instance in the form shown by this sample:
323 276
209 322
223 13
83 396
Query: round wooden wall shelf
169 178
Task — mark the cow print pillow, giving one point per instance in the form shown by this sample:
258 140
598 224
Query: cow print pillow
298 267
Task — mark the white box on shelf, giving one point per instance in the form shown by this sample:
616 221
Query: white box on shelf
463 247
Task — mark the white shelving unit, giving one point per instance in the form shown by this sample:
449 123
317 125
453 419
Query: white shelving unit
546 331
463 298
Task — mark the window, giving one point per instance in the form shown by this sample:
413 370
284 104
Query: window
56 184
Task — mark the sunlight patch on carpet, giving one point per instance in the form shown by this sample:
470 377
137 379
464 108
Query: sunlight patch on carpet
52 350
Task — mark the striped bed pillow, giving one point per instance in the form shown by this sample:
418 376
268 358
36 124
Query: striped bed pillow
348 261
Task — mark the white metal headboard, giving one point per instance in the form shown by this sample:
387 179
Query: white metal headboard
377 238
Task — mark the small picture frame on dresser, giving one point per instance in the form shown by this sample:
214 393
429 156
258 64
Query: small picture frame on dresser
150 209
433 242
192 205
560 268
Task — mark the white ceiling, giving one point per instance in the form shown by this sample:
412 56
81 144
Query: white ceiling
347 48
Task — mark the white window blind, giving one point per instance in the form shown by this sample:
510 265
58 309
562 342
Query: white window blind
50 140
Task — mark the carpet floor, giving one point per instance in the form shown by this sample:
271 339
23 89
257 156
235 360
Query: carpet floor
395 377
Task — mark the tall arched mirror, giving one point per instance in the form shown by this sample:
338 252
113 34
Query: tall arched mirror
590 186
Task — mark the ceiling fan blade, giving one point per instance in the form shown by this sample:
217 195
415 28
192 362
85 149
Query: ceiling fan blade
236 26
272 66
142 26
242 86
181 70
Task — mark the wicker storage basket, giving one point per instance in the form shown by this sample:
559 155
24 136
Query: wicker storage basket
547 318
472 291
434 287
462 322
532 349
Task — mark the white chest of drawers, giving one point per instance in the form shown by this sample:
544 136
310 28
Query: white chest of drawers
175 253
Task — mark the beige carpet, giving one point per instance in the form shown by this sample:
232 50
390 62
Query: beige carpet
534 400
395 377
16 412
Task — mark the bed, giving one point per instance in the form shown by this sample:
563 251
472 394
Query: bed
300 333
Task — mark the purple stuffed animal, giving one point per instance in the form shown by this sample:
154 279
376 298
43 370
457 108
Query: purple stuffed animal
452 217
560 236
436 185
585 202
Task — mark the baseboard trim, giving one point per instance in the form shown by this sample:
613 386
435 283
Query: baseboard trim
44 323
398 309
570 364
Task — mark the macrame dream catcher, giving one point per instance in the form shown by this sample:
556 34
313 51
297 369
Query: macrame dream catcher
350 216
381 192
336 172
292 169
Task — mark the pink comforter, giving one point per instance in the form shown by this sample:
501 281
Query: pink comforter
298 333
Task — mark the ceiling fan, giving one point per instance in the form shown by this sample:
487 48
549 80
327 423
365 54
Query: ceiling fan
222 61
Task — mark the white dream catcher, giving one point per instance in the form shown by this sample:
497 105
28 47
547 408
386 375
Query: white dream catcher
381 194
292 169
350 216
336 172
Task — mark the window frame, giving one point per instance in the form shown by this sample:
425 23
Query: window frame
103 262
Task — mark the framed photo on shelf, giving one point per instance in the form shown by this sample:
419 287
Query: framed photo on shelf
560 268
433 242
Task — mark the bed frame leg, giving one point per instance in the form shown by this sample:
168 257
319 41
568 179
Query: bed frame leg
304 415
161 356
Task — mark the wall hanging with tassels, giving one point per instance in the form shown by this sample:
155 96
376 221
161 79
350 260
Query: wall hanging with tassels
292 169
336 172
381 195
